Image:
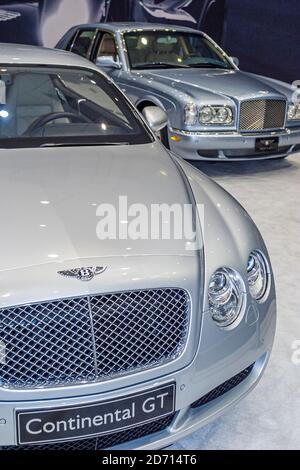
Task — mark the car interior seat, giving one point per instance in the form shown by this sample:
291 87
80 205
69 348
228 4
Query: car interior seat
162 52
82 46
138 49
107 47
29 97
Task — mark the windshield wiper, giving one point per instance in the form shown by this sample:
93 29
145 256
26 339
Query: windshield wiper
81 144
154 65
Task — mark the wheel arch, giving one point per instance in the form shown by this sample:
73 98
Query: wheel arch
149 101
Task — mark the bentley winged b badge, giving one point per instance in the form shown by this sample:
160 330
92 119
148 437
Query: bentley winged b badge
83 274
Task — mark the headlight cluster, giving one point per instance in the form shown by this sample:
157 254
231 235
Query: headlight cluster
226 295
216 115
227 292
257 273
219 115
294 112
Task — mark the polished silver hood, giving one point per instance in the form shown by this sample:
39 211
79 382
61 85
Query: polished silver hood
210 83
49 199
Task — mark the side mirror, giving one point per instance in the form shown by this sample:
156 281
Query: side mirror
156 117
107 61
235 60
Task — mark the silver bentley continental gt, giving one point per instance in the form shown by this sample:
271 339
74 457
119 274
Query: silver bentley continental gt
216 112
113 335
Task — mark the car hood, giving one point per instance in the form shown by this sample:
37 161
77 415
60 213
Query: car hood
48 205
49 198
207 83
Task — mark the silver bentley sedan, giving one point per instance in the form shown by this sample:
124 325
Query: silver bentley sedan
216 112
112 334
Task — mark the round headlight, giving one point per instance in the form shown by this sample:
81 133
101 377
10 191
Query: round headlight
225 296
224 115
291 111
207 114
257 273
294 111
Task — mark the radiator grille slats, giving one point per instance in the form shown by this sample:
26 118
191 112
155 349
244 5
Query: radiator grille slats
133 319
43 346
262 114
91 338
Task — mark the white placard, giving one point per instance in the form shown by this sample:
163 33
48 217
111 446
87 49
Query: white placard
2 92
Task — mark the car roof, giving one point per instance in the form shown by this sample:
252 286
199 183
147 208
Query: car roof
130 26
15 54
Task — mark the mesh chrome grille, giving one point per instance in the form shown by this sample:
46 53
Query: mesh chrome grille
224 387
103 442
257 115
91 338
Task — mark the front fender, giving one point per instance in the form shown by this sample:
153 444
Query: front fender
228 232
158 101
140 92
284 88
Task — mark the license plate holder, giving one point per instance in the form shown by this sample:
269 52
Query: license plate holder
267 144
104 417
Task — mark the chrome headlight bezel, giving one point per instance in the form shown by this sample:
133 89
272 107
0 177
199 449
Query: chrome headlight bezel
293 112
226 297
258 275
216 115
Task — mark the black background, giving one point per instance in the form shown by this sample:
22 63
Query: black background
263 34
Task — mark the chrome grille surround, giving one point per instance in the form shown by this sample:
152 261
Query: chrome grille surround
262 114
92 338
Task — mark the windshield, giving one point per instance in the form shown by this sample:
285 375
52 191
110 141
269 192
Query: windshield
42 106
159 49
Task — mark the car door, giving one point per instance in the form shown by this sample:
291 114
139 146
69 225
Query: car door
82 42
106 44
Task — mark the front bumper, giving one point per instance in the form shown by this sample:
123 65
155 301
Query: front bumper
213 365
230 146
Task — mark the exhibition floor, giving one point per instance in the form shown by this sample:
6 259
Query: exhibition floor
269 418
